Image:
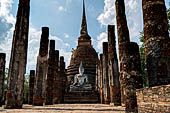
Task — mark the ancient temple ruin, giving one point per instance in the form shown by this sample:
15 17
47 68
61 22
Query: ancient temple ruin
85 54
89 79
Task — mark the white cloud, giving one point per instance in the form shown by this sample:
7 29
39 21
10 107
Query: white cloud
7 24
100 39
133 14
62 9
66 35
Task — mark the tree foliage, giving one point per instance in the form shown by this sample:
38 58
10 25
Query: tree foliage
26 87
143 59
168 14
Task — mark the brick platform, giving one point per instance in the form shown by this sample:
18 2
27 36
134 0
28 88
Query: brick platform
67 108
82 97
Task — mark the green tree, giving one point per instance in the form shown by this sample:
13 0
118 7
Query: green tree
143 59
5 86
26 88
168 14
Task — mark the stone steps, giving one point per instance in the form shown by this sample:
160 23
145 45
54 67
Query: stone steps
81 97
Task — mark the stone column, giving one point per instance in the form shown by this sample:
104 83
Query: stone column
105 74
131 75
56 79
2 76
101 79
62 78
50 74
41 69
31 87
114 82
18 60
157 42
96 77
123 36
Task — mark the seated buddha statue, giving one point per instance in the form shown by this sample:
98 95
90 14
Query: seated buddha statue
80 81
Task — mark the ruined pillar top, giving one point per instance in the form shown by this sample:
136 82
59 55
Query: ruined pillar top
101 57
24 2
105 48
2 55
123 31
111 28
44 42
32 72
45 31
155 20
52 45
62 59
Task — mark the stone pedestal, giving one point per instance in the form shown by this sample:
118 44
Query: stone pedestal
31 87
2 76
18 60
41 69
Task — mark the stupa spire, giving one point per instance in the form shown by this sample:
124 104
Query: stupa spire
84 23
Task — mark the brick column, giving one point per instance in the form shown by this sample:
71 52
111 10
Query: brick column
114 82
18 60
62 78
106 87
157 42
2 76
50 74
41 69
101 79
131 75
123 36
31 87
56 79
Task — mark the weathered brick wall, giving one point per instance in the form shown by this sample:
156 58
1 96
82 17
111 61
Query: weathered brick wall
154 99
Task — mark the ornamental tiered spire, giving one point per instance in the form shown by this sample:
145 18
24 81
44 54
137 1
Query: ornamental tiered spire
84 23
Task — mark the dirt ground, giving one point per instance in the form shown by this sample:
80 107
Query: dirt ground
67 108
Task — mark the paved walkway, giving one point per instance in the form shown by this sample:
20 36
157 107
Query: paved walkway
67 108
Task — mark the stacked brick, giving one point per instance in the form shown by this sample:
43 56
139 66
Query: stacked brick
155 99
157 42
18 60
41 69
2 76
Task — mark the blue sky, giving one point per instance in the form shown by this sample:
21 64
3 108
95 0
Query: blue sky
63 17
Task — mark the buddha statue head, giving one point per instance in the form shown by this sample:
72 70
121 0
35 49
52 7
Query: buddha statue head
81 69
